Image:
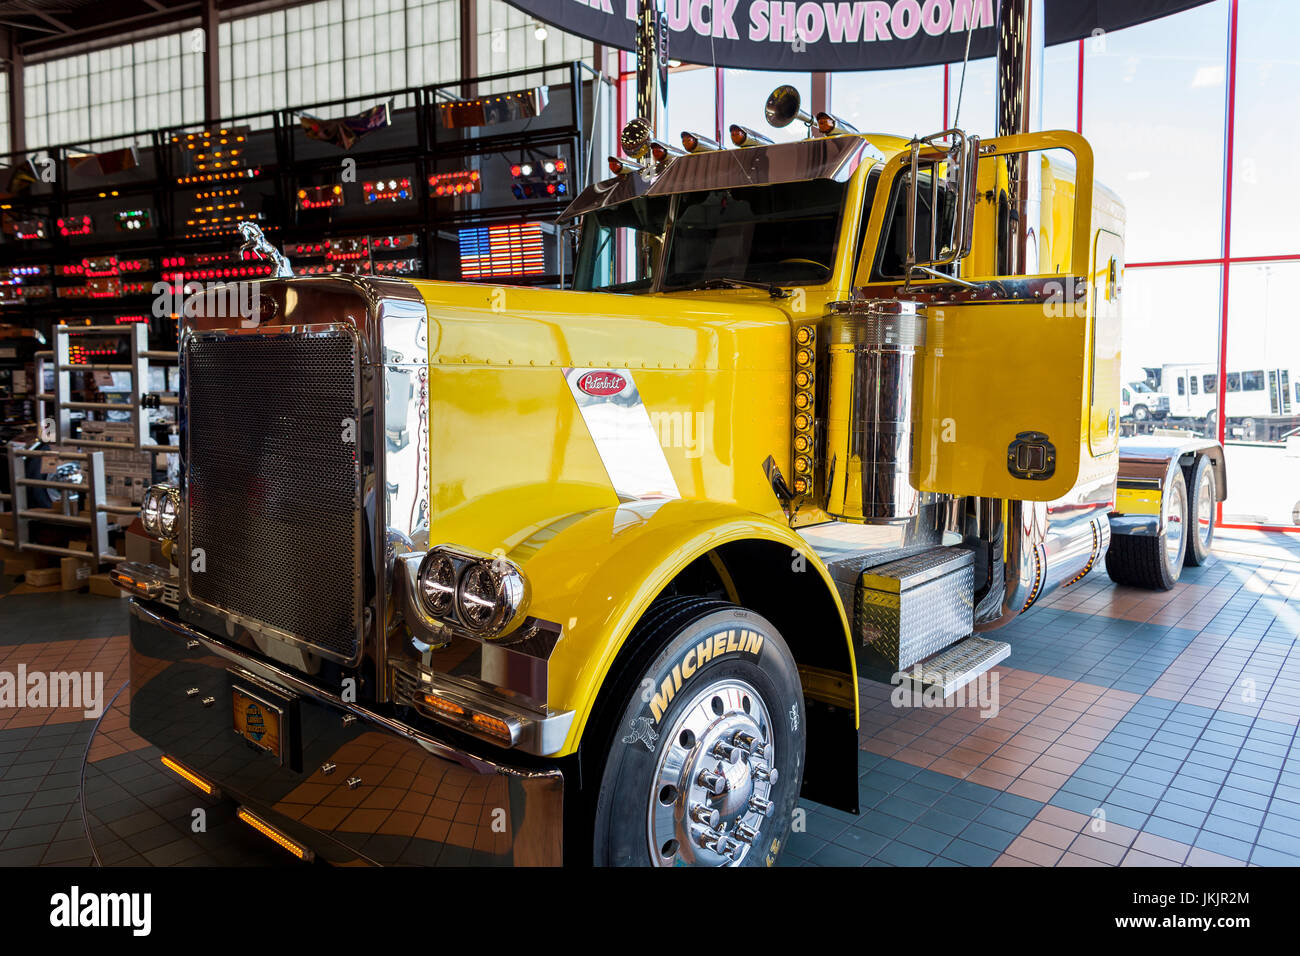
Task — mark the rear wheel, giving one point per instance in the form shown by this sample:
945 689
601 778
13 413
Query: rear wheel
704 744
1200 513
1154 561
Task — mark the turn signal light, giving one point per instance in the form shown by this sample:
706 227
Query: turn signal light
444 705
189 776
492 725
274 835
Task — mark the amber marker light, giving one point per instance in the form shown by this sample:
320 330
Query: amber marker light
274 835
444 705
190 777
492 725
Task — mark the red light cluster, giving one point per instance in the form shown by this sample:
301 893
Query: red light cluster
455 183
231 272
81 355
76 226
131 319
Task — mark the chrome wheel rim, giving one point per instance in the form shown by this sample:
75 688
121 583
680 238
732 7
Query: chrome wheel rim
712 788
1204 510
1174 513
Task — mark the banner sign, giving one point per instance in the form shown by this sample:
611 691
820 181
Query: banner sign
830 35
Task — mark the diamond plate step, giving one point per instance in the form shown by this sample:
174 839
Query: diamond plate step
957 665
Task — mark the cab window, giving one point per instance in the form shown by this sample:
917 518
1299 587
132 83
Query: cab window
893 245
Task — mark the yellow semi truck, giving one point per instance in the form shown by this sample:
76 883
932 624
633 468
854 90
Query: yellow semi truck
472 574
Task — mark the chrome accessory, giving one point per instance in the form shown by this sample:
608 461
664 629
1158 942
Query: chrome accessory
1175 514
636 137
622 431
782 108
279 562
744 136
876 360
663 154
620 168
712 789
831 125
257 243
478 593
160 511
695 143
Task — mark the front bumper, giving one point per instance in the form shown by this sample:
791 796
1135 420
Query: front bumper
367 789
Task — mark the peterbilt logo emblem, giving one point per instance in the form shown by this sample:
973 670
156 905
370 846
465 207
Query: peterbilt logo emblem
602 384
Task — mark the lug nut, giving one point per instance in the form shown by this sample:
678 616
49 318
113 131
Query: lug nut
760 806
754 746
715 783
727 752
746 834
709 839
706 815
763 772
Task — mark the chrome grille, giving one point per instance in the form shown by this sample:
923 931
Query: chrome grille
272 486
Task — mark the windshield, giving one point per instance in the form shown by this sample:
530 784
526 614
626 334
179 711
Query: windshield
782 234
1141 387
621 245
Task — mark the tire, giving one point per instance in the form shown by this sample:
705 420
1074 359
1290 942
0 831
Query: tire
1153 562
1200 512
1140 413
660 738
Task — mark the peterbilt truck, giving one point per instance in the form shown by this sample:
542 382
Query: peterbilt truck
472 574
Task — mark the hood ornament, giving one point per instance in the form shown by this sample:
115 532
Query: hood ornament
255 241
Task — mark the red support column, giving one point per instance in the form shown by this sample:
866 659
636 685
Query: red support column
1221 418
1078 118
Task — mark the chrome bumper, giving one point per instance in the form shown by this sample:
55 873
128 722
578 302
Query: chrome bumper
368 788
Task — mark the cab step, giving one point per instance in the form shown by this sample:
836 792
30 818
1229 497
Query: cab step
956 666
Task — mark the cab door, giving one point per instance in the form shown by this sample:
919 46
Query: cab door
1004 394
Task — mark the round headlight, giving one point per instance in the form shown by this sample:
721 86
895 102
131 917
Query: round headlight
162 505
150 511
437 583
490 596
169 503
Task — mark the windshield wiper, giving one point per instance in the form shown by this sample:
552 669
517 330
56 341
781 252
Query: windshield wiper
771 288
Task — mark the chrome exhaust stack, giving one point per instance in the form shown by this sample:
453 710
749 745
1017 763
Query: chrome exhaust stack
876 357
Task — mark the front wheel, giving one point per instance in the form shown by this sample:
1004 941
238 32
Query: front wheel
705 745
1140 413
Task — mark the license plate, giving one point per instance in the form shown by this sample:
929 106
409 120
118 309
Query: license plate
259 722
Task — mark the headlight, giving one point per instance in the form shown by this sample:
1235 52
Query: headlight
162 504
437 583
489 595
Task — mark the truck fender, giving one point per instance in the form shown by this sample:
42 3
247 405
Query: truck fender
598 575
1147 465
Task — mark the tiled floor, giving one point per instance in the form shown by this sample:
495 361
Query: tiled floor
1131 729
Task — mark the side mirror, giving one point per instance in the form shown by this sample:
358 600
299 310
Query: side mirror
961 158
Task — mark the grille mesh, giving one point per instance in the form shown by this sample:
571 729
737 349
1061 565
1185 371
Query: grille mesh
272 485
